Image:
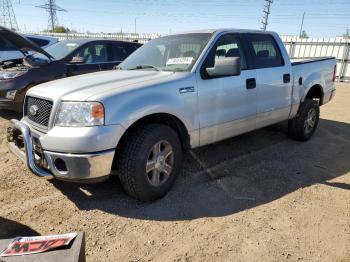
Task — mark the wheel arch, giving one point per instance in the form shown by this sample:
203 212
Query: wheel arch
313 87
315 92
156 118
159 118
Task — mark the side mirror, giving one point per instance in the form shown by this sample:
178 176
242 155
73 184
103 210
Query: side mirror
228 66
77 60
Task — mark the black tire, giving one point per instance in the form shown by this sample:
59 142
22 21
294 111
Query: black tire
134 156
297 126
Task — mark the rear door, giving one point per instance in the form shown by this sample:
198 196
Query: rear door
273 78
92 55
227 105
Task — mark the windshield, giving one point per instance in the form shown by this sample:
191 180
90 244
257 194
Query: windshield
61 49
170 53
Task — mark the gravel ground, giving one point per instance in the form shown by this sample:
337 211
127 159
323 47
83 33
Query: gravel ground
256 197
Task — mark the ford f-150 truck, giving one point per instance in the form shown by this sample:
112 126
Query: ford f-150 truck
175 93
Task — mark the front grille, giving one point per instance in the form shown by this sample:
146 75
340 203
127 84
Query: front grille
43 110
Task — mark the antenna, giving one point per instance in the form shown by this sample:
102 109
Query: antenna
266 11
7 15
52 8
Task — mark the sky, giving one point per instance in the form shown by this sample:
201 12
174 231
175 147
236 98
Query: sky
323 18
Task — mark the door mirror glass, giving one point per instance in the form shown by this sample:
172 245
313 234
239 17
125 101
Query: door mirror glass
228 66
77 60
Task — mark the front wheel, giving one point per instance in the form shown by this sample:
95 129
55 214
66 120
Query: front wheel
150 161
304 124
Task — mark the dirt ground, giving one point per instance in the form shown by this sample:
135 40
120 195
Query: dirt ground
257 197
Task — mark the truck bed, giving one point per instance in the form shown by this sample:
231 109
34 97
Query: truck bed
299 61
309 72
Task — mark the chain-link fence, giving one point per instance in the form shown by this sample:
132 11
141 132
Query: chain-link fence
338 47
141 38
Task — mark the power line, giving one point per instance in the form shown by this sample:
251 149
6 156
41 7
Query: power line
266 11
7 15
52 8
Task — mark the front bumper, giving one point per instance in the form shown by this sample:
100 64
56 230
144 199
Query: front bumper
15 104
91 167
9 104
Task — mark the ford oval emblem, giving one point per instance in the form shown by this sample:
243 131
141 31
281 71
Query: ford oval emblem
33 110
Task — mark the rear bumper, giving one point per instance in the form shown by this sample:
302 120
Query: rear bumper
92 167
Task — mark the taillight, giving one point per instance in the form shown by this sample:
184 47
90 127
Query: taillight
334 73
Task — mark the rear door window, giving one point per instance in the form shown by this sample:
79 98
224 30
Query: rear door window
119 51
264 50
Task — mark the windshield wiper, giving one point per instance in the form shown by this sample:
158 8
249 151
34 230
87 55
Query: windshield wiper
144 67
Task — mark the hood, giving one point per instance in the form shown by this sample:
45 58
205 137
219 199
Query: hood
22 43
98 85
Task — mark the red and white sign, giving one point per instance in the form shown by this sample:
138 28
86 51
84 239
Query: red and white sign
33 245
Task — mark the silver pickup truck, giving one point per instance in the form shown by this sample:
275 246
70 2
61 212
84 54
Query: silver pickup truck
175 93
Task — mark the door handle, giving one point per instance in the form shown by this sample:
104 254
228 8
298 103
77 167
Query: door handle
250 83
188 89
286 78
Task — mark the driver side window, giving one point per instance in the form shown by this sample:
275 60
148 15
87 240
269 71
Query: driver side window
93 53
226 46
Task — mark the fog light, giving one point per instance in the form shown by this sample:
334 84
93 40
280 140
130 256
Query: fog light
11 94
60 165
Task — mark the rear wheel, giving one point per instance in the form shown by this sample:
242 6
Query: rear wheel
304 125
150 161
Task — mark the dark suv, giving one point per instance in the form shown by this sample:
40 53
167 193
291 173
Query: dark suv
62 59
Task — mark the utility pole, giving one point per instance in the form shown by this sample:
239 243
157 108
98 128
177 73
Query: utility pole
266 11
7 15
52 8
302 24
135 24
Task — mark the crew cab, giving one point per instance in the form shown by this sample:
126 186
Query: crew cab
175 93
62 59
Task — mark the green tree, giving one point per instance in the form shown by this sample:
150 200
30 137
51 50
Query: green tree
59 29
304 34
347 34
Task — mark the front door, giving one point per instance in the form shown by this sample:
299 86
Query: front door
90 57
227 105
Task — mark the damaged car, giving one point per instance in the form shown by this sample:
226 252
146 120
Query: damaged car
10 52
63 59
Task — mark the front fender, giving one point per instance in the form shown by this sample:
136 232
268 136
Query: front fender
126 109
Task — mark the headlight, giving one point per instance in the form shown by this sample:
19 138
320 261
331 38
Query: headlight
80 114
10 75
11 94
